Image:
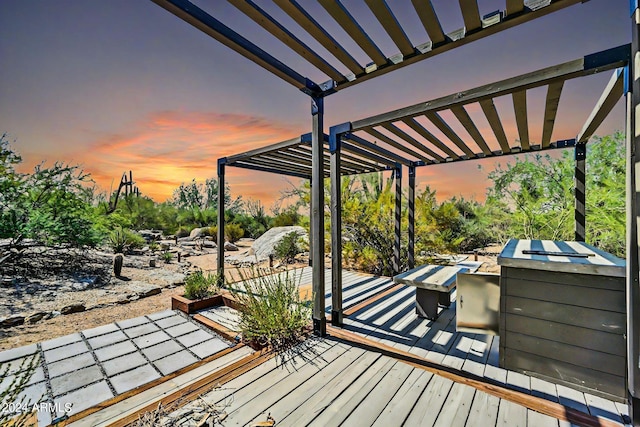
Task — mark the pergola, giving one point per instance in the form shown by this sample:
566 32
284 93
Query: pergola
350 147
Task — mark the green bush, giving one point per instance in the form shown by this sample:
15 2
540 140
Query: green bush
210 231
167 257
271 312
287 248
122 240
233 232
199 285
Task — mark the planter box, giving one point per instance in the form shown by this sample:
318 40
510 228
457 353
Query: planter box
191 306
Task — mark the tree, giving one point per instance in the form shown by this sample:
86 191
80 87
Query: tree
196 195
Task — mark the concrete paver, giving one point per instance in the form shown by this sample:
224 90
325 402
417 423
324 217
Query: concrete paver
208 348
168 322
182 329
123 363
107 339
194 338
151 339
16 353
60 353
140 330
70 364
84 398
134 378
161 350
74 380
100 330
162 314
174 362
106 353
129 323
58 342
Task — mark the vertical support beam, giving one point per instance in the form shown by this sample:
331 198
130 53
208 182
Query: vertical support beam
579 191
317 214
412 216
221 184
398 219
633 210
336 230
311 238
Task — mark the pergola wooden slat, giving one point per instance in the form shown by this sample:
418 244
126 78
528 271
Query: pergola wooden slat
491 113
554 91
522 121
471 15
609 98
387 19
429 19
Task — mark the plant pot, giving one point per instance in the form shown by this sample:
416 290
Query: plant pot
189 306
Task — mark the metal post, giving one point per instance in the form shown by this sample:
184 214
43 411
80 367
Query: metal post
579 192
221 164
398 218
633 210
317 214
412 217
336 232
310 224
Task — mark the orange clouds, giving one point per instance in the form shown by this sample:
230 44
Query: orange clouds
171 147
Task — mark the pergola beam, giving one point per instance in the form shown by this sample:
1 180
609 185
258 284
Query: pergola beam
429 19
386 154
605 104
554 91
387 19
491 113
514 7
471 15
466 121
206 23
265 20
418 128
395 144
520 109
259 168
411 140
601 61
449 133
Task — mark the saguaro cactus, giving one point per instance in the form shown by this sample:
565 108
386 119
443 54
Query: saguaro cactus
118 260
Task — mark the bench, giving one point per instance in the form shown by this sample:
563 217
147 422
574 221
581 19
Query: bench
434 284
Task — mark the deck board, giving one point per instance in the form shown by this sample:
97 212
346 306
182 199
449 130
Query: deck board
455 411
428 406
398 408
484 411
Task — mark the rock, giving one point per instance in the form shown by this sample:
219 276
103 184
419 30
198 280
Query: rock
73 308
150 235
265 244
142 289
187 242
230 247
11 321
36 317
152 262
196 233
209 244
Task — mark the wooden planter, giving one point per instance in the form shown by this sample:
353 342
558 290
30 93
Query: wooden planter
191 306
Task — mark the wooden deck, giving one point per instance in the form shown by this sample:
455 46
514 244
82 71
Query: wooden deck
408 393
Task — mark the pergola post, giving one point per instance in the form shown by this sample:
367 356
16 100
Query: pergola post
412 217
317 214
398 219
310 225
336 230
579 191
633 210
221 184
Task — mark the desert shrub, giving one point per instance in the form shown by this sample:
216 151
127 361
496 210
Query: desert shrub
167 257
233 232
199 285
288 248
122 240
287 217
210 231
154 246
271 312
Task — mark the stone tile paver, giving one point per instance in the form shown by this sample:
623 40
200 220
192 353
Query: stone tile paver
137 331
16 353
161 350
84 398
100 330
151 339
70 364
107 339
74 380
174 362
123 363
59 342
182 329
168 322
132 322
106 353
194 338
132 379
209 348
162 314
63 352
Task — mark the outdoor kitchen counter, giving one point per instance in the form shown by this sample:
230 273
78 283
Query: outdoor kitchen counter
562 314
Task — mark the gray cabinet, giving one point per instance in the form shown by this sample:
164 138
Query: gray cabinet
562 314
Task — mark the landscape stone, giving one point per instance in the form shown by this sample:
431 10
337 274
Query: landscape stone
230 247
73 308
196 232
134 378
36 317
11 321
174 362
265 244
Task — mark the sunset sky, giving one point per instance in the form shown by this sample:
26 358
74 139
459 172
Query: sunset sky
118 85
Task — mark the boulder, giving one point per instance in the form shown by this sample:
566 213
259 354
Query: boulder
265 244
230 247
13 320
196 233
36 317
73 308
